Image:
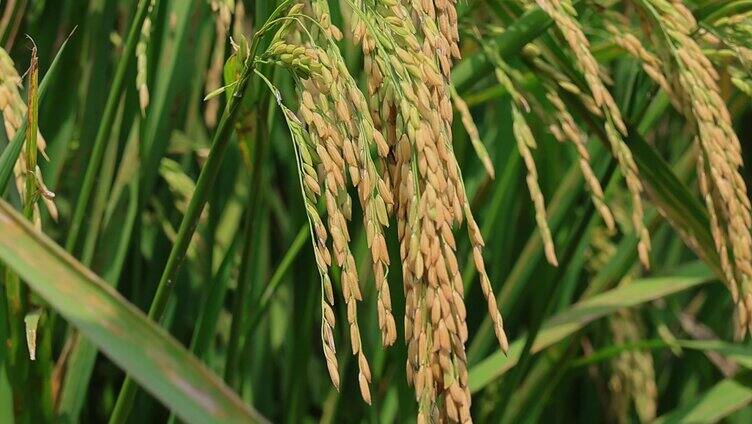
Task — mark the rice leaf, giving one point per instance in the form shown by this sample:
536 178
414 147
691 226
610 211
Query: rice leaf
162 366
567 322
719 402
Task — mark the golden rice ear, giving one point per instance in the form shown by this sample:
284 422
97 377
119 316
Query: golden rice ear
525 143
472 132
651 64
410 101
720 180
563 15
571 131
342 135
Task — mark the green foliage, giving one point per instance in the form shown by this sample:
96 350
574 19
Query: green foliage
187 258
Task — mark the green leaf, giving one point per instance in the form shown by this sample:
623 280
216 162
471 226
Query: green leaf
724 398
581 314
146 352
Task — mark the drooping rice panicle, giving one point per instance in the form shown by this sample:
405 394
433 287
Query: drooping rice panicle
363 164
563 14
719 146
329 145
571 131
472 132
651 64
347 144
633 372
728 43
307 160
408 49
525 143
741 79
430 317
711 199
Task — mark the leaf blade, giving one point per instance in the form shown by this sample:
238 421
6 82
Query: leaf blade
581 314
162 366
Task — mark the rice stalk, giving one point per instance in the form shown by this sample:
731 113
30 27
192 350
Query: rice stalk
525 143
567 129
205 181
105 126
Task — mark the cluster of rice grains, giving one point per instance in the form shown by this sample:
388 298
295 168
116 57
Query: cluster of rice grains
341 142
721 184
506 76
563 14
397 152
409 48
632 372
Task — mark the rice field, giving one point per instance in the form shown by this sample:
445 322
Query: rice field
429 211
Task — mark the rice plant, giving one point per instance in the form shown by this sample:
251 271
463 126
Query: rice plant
375 211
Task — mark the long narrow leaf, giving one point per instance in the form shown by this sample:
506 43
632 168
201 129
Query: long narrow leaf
123 333
726 397
581 314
